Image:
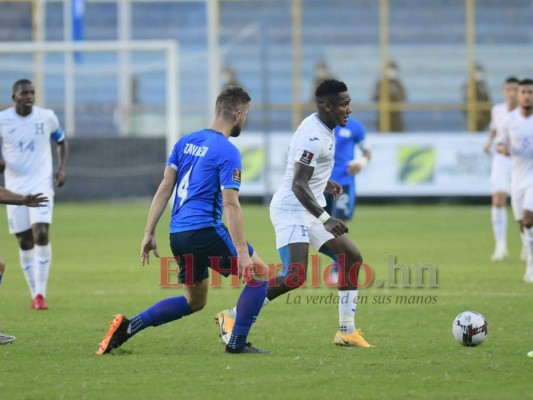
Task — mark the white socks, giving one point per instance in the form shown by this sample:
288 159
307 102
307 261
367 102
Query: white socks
27 261
527 241
499 226
43 258
35 264
347 306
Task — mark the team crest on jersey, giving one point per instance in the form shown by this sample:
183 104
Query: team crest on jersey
39 128
307 157
236 175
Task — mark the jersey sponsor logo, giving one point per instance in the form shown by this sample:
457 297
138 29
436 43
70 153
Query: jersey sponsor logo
307 157
236 175
313 139
194 150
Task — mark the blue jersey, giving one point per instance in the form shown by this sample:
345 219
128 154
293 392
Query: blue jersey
206 162
345 140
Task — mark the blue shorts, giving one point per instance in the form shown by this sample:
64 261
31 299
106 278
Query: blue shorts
342 208
200 249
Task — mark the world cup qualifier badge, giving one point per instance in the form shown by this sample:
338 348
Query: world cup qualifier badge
306 158
236 175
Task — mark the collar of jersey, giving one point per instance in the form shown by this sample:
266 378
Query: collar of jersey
23 117
212 130
321 123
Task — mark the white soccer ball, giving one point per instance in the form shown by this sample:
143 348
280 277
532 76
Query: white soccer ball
470 328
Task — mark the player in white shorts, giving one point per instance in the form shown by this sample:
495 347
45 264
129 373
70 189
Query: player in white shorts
500 175
30 200
26 131
297 213
516 140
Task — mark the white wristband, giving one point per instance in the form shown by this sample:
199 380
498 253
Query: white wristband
324 217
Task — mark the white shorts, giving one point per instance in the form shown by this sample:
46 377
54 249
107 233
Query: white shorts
500 174
298 227
21 218
522 200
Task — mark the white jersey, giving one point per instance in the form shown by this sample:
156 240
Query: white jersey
500 175
498 115
312 144
517 133
26 149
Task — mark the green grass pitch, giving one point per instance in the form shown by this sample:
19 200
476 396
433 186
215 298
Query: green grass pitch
96 273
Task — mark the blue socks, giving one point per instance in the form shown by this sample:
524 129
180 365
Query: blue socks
248 307
160 313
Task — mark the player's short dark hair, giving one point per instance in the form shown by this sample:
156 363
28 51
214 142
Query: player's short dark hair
230 98
21 82
512 79
525 82
329 88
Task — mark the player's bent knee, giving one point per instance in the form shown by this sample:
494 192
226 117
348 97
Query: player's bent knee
196 305
40 235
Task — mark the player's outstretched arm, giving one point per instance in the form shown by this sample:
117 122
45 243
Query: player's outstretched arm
30 200
159 202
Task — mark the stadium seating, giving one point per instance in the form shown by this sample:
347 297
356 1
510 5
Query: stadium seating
256 41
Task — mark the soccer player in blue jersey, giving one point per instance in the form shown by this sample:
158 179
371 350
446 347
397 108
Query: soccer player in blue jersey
345 167
205 168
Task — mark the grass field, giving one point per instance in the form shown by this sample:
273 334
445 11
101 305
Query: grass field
96 273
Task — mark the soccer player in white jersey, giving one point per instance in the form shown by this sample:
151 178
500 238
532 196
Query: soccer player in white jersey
516 140
299 219
30 200
500 175
26 131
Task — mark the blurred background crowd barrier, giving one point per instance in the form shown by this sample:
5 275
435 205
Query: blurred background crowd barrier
118 70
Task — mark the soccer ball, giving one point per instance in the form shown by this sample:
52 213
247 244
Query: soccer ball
470 328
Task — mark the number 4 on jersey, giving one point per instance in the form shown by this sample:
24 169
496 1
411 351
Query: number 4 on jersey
183 186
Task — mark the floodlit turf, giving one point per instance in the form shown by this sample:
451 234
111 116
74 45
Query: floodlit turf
96 273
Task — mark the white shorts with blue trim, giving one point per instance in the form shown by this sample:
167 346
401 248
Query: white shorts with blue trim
298 227
21 218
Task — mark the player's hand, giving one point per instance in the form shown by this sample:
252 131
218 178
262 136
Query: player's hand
148 245
487 146
503 149
35 200
368 154
334 188
354 168
246 268
60 177
2 166
336 227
